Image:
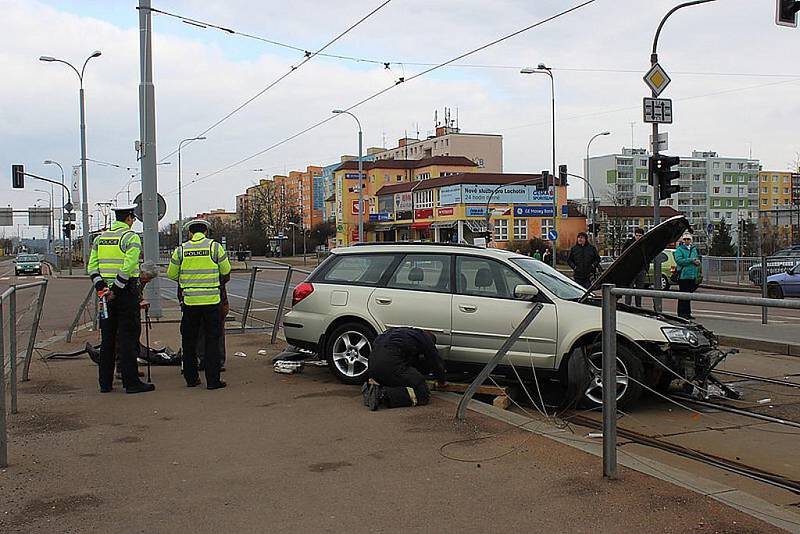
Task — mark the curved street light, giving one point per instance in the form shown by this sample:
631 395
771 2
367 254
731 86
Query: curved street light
360 174
593 209
84 200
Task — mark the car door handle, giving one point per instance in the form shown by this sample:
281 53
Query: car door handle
383 300
467 308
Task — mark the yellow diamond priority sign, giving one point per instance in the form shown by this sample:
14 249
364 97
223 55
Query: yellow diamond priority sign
657 79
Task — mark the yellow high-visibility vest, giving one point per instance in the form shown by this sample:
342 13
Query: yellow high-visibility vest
199 272
112 246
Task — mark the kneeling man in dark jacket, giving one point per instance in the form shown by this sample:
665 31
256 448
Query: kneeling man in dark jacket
400 359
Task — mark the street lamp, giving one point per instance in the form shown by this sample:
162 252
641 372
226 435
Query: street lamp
180 198
84 200
294 231
544 69
360 176
587 174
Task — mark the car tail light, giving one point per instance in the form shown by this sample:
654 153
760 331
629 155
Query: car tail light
301 291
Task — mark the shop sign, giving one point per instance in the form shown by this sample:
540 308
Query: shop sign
425 213
445 212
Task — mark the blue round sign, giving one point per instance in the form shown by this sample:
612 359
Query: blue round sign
552 235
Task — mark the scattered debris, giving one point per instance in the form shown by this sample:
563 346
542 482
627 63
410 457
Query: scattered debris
287 367
764 401
594 435
262 352
240 354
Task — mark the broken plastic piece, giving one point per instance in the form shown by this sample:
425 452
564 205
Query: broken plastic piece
262 352
240 354
594 435
764 401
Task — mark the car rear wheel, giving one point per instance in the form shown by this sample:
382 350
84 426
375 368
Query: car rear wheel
347 351
585 380
665 283
774 291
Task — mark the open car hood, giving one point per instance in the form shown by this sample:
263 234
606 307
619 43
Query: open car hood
640 254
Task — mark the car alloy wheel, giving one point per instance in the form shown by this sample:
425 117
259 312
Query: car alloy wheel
594 392
350 353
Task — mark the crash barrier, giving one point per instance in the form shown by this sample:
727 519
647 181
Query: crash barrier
287 273
9 306
744 271
609 344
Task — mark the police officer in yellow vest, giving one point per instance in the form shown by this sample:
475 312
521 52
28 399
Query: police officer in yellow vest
200 266
114 270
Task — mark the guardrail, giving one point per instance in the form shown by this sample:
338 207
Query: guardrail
609 344
10 296
281 305
744 271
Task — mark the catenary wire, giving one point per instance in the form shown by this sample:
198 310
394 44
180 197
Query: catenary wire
308 57
401 80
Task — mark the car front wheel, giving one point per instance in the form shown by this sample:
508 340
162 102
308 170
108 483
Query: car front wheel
665 283
585 379
347 350
774 291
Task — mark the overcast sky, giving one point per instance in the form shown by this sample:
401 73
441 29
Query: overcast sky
735 84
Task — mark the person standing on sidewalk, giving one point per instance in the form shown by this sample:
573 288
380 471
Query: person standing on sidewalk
687 259
114 270
201 267
638 281
584 260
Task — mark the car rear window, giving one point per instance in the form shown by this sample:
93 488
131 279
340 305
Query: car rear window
366 269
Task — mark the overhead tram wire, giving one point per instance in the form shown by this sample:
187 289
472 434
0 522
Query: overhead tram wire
400 81
308 57
387 63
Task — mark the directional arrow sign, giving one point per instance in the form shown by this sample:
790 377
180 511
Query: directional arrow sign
658 110
657 79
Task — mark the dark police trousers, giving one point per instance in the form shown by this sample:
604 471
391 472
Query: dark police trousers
205 318
403 384
120 334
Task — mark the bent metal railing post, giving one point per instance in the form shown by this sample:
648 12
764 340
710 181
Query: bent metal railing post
609 377
491 364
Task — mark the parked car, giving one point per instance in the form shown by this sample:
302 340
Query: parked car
605 262
776 264
668 267
471 298
27 264
786 284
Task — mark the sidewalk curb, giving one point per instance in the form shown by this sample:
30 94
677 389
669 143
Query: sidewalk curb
724 287
729 496
767 345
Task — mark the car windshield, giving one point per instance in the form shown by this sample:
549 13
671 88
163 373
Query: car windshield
28 258
553 280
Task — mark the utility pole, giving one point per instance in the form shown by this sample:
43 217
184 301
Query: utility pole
147 153
653 176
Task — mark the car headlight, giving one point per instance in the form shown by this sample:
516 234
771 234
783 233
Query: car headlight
681 335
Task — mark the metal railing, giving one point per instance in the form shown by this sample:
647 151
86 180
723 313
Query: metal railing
279 307
9 298
609 343
744 271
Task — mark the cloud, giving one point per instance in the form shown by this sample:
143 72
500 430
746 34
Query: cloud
201 75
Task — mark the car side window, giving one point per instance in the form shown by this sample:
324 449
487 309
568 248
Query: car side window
482 277
422 272
366 269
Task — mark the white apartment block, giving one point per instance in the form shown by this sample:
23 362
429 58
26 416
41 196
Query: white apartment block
713 188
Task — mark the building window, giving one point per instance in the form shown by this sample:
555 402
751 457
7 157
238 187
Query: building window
775 178
774 201
728 165
716 190
501 230
765 190
521 229
742 202
764 202
774 190
715 203
716 215
728 190
399 177
547 225
786 179
785 190
423 199
716 177
643 189
716 164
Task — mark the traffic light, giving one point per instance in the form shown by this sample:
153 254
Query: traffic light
662 174
17 176
786 13
562 175
68 228
545 179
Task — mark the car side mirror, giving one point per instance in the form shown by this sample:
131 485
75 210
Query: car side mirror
525 292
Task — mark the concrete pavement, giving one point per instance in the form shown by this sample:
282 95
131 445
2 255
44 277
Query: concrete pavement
301 453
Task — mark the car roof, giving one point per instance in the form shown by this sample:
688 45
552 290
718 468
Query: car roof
428 248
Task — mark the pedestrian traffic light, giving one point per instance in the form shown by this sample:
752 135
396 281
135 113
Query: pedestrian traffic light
562 175
17 176
662 175
67 230
786 13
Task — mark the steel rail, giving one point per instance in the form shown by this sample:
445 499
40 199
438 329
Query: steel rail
739 411
758 378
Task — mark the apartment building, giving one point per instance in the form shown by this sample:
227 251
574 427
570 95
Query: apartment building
713 188
776 189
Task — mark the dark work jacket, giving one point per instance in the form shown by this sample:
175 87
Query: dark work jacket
402 347
583 260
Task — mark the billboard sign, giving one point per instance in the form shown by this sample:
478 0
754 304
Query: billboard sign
403 202
533 211
450 195
39 216
473 211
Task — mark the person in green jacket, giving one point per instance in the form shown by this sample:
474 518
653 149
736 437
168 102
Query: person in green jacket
687 259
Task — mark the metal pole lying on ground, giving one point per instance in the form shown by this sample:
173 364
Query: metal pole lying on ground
34 329
609 382
487 370
281 304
